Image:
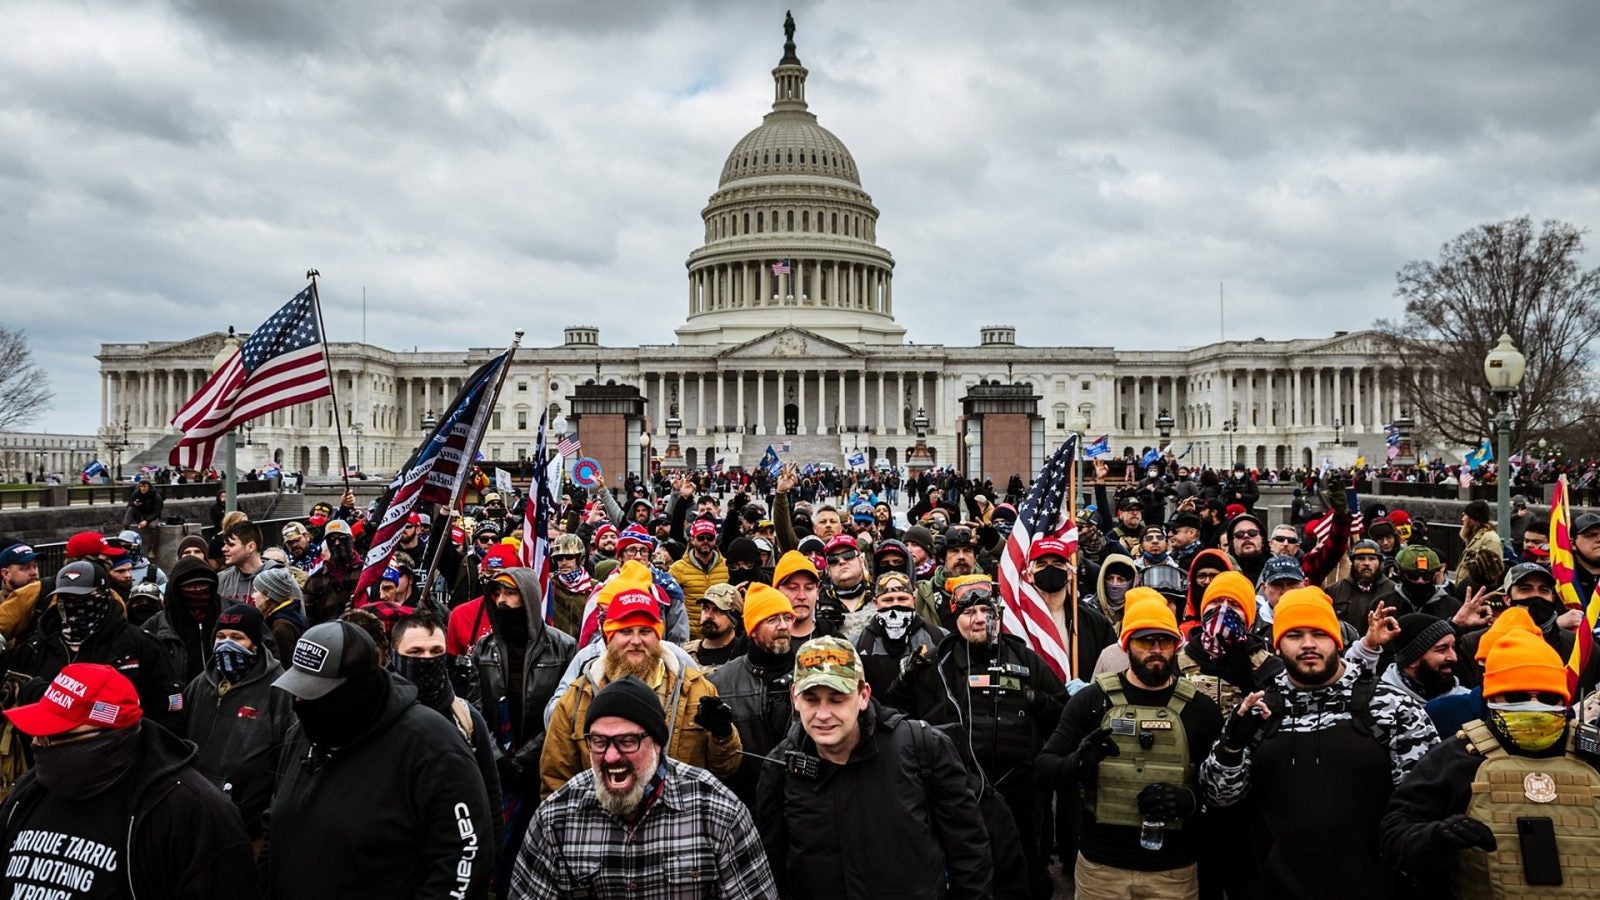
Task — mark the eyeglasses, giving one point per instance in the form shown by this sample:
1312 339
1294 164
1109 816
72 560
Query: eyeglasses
1281 538
636 553
1153 642
1247 533
625 743
845 556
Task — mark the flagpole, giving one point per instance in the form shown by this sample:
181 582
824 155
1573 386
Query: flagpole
333 386
469 453
1072 564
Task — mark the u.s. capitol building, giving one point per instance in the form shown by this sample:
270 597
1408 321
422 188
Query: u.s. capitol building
790 338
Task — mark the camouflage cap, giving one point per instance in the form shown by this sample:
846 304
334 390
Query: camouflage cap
828 662
725 597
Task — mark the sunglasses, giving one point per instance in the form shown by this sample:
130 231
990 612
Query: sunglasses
846 556
1248 533
1286 539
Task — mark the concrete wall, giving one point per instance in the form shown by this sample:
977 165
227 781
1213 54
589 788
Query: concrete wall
51 524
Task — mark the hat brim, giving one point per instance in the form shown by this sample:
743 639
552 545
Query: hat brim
1152 632
305 686
21 559
836 682
41 719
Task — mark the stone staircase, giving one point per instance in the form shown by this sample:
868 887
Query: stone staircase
154 455
822 449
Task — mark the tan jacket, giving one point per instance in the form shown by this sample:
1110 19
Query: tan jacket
16 610
1482 563
565 753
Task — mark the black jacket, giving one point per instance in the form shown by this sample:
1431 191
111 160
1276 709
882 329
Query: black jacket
400 812
549 651
879 826
183 838
762 710
239 734
115 643
186 640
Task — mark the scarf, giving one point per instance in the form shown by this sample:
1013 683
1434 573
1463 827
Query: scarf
577 581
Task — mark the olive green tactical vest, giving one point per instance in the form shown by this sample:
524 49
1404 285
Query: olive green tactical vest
1113 799
1226 695
1564 789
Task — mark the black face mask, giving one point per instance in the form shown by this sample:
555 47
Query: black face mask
344 713
87 766
431 675
510 624
737 577
1051 579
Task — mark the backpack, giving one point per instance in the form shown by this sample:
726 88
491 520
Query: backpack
462 715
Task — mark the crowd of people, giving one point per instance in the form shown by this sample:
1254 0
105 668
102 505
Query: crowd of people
776 686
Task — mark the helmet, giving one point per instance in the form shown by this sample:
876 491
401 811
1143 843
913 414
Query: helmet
567 545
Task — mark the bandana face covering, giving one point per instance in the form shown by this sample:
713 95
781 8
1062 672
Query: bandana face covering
81 615
1115 596
232 659
1532 726
87 766
576 582
1221 629
895 622
430 674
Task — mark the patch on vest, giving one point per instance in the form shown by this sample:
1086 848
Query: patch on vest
1123 726
1539 787
1155 725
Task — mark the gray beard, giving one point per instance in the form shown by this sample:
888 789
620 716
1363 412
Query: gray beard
625 803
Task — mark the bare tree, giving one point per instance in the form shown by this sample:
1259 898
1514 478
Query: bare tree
24 387
1497 278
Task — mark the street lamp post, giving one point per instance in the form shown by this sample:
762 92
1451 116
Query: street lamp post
358 430
644 455
1337 424
1228 428
1503 368
429 422
1164 425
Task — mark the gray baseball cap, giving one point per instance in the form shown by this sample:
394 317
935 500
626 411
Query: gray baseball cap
78 578
325 657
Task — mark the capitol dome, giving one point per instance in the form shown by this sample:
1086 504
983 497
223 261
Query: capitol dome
790 236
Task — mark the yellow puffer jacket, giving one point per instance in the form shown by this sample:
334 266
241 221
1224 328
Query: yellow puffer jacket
695 581
565 753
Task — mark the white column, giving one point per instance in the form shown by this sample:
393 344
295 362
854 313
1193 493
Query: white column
861 401
761 402
936 421
899 402
1338 397
779 426
1271 408
922 393
1138 405
739 375
1250 399
700 406
800 402
822 398
1355 400
105 397
1317 417
881 429
838 416
721 378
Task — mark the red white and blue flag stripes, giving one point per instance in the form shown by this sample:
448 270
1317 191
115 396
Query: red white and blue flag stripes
1044 514
430 475
282 363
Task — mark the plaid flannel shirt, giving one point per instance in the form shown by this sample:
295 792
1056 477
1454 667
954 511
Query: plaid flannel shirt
696 840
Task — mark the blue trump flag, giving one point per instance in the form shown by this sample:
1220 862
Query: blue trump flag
1100 447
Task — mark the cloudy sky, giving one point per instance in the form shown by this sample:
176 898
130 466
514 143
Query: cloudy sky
1088 172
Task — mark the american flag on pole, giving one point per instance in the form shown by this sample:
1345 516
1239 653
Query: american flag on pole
781 267
429 476
536 526
280 364
569 446
1044 514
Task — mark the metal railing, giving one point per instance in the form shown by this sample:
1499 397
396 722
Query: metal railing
116 494
53 556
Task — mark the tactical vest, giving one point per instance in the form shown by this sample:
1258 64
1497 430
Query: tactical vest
1216 687
1114 797
1564 789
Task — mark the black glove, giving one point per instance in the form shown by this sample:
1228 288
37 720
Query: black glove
914 662
1239 729
1167 802
715 716
1459 832
1095 746
1334 496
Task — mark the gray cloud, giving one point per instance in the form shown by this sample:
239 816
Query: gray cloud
1088 172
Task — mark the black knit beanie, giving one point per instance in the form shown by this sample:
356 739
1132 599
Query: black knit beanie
631 699
1418 632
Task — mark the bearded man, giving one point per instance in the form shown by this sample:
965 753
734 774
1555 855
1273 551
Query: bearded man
637 823
633 634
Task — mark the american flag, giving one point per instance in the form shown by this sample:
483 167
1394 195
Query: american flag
781 267
569 445
429 476
280 364
1044 514
536 526
104 713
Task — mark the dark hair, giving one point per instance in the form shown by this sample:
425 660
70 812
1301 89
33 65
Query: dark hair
371 624
1540 525
244 532
426 619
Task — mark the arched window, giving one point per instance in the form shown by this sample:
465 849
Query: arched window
791 221
835 223
805 221
760 223
746 223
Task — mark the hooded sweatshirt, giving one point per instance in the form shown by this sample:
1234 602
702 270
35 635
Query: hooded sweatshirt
1113 610
1211 558
185 639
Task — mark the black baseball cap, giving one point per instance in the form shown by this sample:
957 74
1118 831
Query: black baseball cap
325 657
